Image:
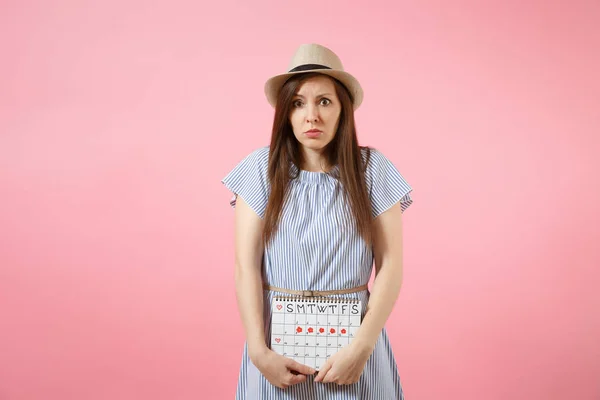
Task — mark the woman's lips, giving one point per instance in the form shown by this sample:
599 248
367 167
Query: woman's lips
313 134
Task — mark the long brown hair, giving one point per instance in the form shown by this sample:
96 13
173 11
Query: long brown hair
343 150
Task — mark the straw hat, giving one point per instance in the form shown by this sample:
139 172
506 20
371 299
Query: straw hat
314 58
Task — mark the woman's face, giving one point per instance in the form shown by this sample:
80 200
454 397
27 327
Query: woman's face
315 106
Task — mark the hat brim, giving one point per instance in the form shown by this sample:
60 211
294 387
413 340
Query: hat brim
274 84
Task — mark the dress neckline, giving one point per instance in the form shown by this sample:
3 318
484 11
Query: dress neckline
315 176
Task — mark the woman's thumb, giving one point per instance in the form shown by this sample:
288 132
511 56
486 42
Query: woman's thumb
303 369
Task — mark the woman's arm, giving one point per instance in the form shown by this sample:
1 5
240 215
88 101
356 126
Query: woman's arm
248 277
249 249
346 366
387 251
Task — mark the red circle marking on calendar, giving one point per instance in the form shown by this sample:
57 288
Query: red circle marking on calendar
321 330
298 329
343 331
332 330
310 330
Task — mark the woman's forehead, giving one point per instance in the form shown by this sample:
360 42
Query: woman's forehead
316 85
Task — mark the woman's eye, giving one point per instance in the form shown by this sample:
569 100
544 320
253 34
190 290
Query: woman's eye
324 102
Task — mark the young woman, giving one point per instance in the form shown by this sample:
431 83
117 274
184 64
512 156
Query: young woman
314 211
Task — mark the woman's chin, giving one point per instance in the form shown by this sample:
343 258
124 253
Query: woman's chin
314 144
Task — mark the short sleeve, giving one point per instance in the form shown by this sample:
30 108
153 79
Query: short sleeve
386 184
249 180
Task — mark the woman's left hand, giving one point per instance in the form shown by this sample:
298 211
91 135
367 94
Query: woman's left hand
346 365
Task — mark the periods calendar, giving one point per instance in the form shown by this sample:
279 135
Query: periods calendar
309 330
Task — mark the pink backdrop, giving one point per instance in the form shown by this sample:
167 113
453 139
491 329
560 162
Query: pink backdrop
118 120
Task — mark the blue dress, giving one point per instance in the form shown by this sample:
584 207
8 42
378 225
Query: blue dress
314 250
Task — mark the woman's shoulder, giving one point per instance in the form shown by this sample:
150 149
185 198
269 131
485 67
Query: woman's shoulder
262 150
248 179
256 159
261 157
253 164
259 154
377 165
372 157
385 183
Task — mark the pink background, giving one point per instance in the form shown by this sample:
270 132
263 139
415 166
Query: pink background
118 120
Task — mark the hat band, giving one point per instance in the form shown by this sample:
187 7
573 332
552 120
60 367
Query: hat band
308 67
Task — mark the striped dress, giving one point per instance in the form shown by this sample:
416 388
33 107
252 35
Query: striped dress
314 250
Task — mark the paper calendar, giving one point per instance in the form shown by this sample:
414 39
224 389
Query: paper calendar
310 330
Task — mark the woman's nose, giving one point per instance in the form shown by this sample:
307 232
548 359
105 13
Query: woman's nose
312 114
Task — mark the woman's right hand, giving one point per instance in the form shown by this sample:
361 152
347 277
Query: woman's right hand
281 371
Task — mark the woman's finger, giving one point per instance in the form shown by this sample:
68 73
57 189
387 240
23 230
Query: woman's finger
296 366
295 379
323 371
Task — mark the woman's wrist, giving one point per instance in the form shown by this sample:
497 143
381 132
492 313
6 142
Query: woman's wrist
364 345
257 350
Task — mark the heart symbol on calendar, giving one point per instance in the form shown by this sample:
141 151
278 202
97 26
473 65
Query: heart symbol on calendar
279 306
277 340
343 331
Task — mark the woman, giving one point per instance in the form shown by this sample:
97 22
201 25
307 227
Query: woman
314 210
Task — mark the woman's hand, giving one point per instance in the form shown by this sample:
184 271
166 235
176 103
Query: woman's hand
281 371
346 365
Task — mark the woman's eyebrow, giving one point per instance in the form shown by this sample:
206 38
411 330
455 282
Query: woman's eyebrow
321 95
